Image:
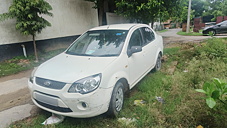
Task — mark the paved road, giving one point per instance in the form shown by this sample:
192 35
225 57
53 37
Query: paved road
170 36
15 100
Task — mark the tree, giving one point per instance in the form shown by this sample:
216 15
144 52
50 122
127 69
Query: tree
28 15
99 4
146 11
215 8
198 6
180 15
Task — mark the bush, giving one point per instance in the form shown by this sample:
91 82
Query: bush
214 48
202 69
215 91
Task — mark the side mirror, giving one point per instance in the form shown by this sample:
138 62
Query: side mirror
134 49
219 25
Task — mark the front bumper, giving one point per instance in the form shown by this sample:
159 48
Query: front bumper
70 104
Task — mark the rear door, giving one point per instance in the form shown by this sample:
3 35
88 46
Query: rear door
149 47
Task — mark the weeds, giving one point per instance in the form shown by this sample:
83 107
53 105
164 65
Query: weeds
214 48
20 63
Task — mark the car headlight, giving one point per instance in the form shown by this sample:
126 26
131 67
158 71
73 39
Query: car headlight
31 79
86 85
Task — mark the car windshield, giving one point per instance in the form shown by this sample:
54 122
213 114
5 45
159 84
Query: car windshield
224 22
99 43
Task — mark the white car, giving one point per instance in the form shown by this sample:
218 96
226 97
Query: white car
93 74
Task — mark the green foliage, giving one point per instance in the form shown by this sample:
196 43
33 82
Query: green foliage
28 14
145 11
202 68
215 8
198 6
215 91
181 13
214 48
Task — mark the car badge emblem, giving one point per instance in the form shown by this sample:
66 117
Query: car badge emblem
47 83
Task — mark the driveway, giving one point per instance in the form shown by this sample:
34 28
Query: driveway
15 99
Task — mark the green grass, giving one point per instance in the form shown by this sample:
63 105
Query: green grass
164 30
183 107
189 34
20 63
170 51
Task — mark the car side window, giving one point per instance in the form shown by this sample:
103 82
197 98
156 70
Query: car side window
136 39
148 35
224 24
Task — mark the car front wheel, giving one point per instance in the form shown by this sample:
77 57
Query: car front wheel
212 32
117 100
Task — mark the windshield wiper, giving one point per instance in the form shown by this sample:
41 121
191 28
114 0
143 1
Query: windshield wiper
107 55
73 53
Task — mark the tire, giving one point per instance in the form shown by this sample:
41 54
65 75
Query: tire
117 100
158 63
212 32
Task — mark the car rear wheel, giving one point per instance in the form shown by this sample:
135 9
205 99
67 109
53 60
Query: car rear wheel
117 100
158 63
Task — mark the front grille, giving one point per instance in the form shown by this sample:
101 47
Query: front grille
59 109
49 83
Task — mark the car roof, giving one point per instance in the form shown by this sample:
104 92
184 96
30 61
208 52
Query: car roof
117 26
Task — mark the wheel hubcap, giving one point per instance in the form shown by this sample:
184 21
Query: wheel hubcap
119 99
212 33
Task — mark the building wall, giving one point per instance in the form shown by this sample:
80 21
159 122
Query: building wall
70 19
112 18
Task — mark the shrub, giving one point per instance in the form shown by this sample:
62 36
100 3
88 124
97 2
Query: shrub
215 91
202 69
214 48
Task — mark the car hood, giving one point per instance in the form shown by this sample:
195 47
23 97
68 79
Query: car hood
70 68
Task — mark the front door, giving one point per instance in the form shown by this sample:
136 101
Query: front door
223 27
136 61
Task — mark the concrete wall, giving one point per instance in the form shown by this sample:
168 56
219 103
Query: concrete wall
112 18
71 17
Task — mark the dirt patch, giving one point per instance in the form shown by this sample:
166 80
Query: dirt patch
19 97
182 39
17 76
172 68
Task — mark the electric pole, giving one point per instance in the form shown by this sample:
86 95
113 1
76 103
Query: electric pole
189 14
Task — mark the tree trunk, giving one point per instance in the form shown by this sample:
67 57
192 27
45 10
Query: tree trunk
152 24
35 51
